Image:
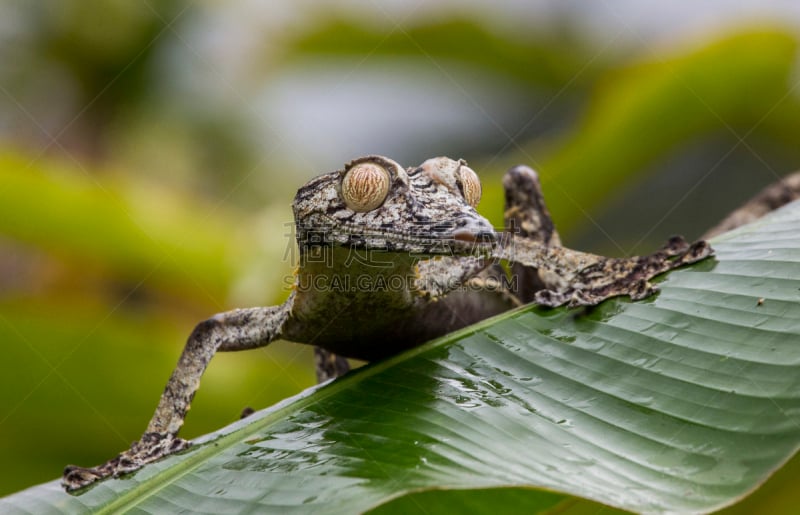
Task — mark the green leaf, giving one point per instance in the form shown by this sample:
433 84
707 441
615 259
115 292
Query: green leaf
685 402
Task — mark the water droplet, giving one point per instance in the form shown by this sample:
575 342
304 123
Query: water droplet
641 400
593 344
565 338
580 460
466 402
646 362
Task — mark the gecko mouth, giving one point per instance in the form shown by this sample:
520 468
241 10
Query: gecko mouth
470 240
461 242
475 237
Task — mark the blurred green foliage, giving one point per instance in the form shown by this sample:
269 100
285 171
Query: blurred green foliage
129 229
643 112
529 59
131 209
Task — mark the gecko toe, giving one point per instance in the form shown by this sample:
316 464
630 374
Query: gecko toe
700 249
675 245
641 290
76 477
584 298
696 251
550 298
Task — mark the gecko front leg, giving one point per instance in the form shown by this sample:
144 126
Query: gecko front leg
235 330
552 275
602 278
587 279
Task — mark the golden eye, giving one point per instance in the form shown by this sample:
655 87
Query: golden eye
470 185
365 186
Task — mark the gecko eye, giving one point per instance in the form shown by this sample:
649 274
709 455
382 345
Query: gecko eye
470 185
365 187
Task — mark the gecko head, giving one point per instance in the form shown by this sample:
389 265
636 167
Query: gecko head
375 204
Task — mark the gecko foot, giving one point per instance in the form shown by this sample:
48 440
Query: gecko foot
152 447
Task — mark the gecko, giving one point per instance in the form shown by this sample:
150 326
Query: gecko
389 258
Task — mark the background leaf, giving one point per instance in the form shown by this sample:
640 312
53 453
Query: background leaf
685 402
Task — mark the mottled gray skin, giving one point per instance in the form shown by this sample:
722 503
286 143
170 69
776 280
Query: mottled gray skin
372 284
